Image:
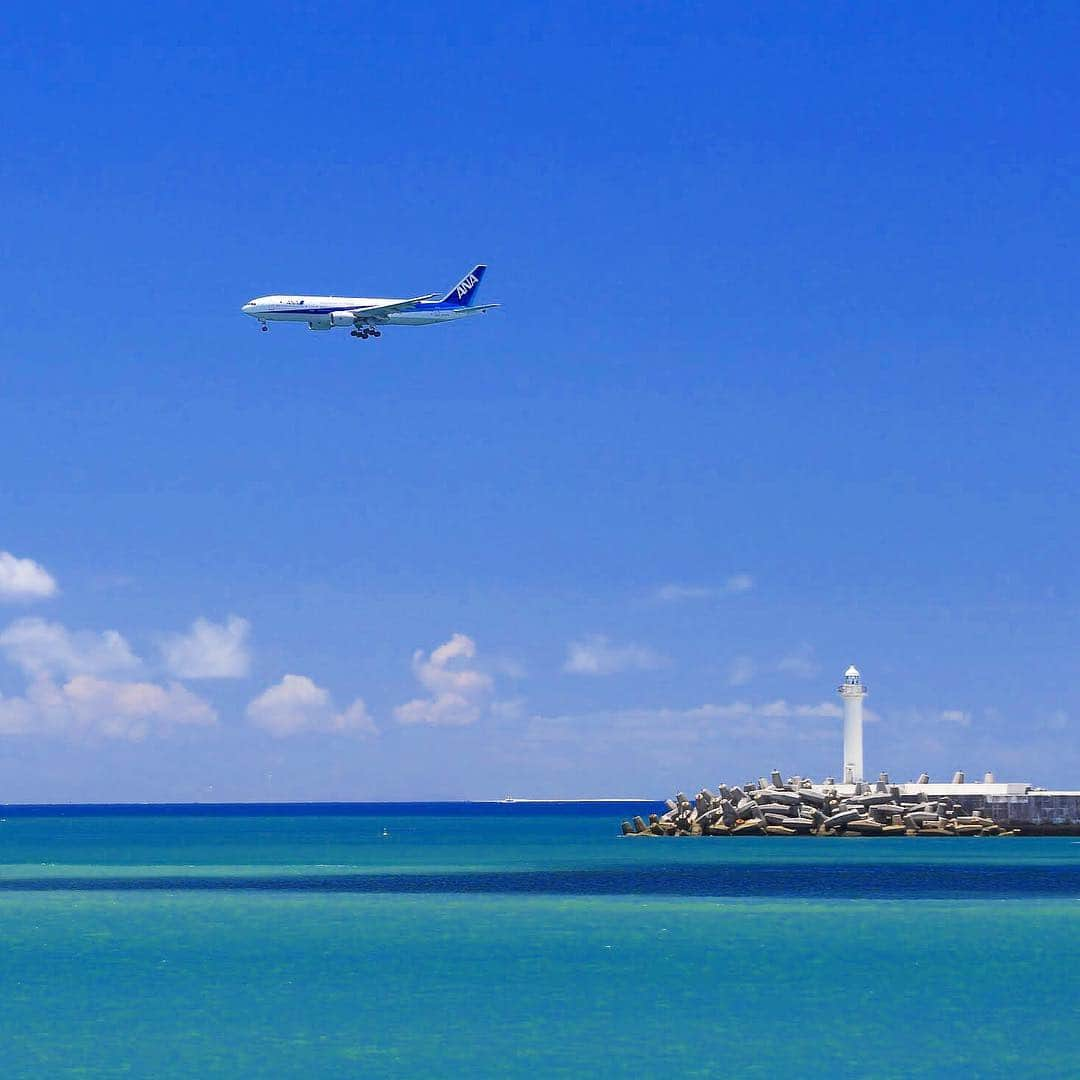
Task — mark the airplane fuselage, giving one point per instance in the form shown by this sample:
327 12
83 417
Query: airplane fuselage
324 312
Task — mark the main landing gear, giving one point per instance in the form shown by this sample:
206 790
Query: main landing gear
365 332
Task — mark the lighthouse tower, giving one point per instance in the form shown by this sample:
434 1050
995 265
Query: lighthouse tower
852 692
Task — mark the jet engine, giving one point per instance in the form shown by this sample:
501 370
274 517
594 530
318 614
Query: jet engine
342 318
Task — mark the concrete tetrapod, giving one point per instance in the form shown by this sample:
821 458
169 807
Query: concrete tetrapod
799 807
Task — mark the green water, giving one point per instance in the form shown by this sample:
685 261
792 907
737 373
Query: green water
549 978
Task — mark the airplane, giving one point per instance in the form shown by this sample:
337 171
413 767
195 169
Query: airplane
365 315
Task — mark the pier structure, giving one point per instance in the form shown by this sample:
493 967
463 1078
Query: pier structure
797 805
852 692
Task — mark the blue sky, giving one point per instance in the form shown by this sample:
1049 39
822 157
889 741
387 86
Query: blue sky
784 379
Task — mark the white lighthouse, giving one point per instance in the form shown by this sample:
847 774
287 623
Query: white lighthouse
852 692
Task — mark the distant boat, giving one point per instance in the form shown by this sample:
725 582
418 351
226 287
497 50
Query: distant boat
509 798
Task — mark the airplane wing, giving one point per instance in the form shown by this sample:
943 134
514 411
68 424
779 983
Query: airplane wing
385 309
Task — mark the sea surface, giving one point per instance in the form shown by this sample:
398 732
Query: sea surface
524 940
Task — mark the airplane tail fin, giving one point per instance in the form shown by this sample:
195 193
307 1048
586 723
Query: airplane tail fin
464 291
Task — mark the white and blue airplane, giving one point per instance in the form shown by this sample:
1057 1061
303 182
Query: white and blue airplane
365 315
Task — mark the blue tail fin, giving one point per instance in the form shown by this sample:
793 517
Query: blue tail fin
464 291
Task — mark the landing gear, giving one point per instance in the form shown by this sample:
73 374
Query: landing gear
365 332
264 328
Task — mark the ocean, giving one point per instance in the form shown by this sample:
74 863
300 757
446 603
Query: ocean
531 940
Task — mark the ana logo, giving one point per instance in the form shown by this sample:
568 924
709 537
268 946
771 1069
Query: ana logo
466 285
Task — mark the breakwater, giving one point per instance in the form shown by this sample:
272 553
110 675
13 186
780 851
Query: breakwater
798 807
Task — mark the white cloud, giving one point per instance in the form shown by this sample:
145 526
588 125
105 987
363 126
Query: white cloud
675 592
741 670
509 709
1058 720
47 648
296 705
780 722
801 662
596 655
955 716
739 583
24 579
88 705
458 693
825 709
209 650
508 666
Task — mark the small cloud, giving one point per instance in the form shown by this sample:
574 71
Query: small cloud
355 718
210 650
674 593
741 670
955 716
296 705
596 655
508 666
87 705
1058 720
43 648
779 723
739 583
508 709
825 710
111 582
801 663
458 693
24 580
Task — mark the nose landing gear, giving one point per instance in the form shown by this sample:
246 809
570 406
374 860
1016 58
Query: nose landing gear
263 327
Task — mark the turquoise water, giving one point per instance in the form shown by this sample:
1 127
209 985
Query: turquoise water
517 943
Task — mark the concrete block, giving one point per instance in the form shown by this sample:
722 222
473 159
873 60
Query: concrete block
864 825
788 798
749 828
